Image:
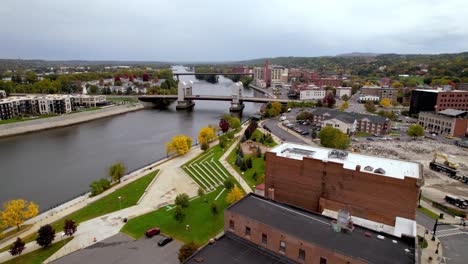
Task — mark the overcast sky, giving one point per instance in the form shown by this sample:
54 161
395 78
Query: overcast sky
217 30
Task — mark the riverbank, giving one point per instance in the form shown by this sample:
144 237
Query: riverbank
18 128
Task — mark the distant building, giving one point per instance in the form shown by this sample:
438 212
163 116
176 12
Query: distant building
381 92
340 91
240 69
366 98
432 100
278 74
344 122
323 82
448 122
463 86
259 230
312 93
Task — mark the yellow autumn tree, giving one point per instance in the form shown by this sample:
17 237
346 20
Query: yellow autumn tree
179 144
385 102
15 212
234 195
344 106
205 135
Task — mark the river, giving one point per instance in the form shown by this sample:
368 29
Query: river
50 167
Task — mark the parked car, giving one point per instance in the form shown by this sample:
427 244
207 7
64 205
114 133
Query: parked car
305 133
152 232
370 139
355 139
164 240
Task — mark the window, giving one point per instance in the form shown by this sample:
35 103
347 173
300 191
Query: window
247 231
231 224
323 260
282 247
301 254
264 239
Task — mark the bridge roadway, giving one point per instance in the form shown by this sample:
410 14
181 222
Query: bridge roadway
209 73
149 98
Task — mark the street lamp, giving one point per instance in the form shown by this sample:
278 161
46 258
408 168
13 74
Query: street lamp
120 202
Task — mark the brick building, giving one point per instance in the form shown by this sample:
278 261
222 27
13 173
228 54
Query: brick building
448 122
322 82
258 230
377 189
380 91
437 100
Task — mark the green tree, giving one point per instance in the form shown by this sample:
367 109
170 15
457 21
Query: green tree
345 97
370 107
200 192
415 130
116 171
45 236
182 200
228 184
179 214
234 123
31 77
333 138
214 208
186 251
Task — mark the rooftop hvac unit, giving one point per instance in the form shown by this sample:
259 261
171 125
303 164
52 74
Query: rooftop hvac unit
337 154
369 168
379 171
343 222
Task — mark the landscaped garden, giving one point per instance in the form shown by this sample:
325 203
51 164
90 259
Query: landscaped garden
40 255
202 222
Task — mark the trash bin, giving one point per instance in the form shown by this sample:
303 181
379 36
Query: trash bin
125 220
441 216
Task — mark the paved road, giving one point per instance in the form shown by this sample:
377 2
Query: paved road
122 249
454 242
272 124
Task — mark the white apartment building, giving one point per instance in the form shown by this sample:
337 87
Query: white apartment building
345 123
89 100
369 98
340 91
312 94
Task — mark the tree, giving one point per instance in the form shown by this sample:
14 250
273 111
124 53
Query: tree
250 129
31 77
248 162
186 251
214 209
228 184
45 235
345 97
259 152
235 123
333 138
344 106
116 171
179 214
275 108
206 134
370 107
224 125
182 200
17 247
223 141
204 146
69 228
200 192
234 195
15 212
329 100
415 130
180 144
397 85
385 102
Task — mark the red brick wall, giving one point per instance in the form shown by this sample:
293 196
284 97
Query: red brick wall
452 100
313 253
460 127
315 185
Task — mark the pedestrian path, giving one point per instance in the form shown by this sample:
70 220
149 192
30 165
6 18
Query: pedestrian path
450 232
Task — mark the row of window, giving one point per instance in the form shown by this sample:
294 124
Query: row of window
453 95
282 245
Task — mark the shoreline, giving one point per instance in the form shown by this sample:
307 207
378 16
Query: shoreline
30 126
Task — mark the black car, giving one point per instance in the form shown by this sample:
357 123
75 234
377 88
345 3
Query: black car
164 240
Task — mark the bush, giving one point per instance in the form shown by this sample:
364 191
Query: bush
204 146
248 162
200 192
243 166
99 186
182 200
45 236
230 134
333 138
179 214
214 209
228 184
186 251
222 141
17 247
451 211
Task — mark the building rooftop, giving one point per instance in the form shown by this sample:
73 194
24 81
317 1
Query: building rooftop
369 164
452 112
230 249
361 243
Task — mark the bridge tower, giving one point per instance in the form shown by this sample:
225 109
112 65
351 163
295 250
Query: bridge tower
236 104
184 89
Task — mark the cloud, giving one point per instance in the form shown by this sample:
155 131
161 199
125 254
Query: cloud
207 30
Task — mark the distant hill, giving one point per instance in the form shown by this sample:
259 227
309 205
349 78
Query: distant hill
358 54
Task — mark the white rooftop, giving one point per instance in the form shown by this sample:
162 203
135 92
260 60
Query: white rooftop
391 167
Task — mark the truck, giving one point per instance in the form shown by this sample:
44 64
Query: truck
458 202
447 167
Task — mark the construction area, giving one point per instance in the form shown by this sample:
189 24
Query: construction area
437 184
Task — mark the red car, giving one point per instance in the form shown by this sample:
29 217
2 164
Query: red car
152 232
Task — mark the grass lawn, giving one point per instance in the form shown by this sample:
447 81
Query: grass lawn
21 119
208 175
14 231
428 212
258 167
422 242
130 194
203 224
362 134
38 256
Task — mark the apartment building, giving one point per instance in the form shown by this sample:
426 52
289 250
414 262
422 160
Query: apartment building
259 230
278 74
381 92
425 100
340 91
449 122
312 93
89 100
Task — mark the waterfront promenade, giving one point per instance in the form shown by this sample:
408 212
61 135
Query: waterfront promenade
33 125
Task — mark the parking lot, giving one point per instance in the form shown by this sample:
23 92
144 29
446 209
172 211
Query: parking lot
123 249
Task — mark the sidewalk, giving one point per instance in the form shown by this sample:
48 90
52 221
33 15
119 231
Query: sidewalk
429 254
447 217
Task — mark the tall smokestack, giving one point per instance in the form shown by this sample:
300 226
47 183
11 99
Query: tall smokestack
266 74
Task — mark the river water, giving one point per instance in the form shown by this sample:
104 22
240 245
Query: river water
50 167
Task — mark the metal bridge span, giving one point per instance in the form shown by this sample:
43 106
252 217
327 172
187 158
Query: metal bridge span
151 98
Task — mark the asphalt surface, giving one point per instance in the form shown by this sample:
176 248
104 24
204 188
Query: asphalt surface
454 246
272 124
123 249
